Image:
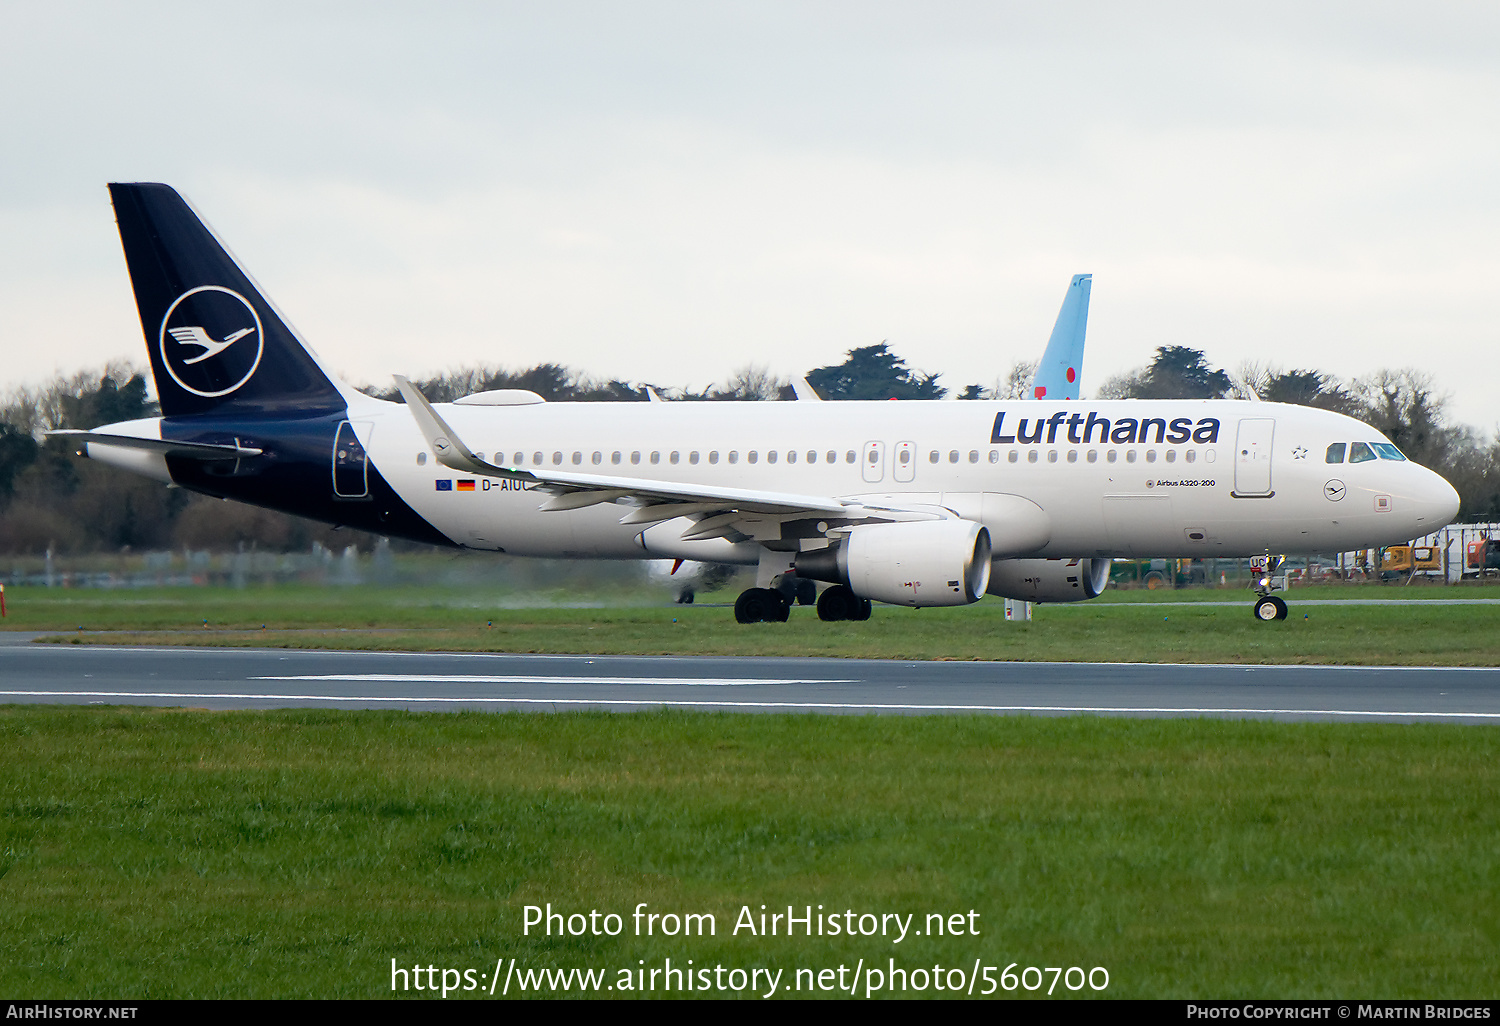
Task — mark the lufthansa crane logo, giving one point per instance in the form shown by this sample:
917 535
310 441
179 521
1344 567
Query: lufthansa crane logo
211 341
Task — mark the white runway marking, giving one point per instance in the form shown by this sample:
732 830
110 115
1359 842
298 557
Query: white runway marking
659 702
508 678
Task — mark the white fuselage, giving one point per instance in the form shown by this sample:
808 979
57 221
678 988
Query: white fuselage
1215 478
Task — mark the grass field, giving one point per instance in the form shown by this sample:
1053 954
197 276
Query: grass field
1121 626
181 853
172 853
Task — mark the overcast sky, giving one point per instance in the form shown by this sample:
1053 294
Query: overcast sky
666 192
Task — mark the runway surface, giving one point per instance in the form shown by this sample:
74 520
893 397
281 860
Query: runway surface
227 678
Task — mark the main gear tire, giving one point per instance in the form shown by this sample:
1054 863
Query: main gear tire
761 605
835 603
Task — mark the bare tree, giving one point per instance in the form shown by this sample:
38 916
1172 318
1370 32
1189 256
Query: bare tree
1405 406
1017 383
1125 385
1251 378
753 381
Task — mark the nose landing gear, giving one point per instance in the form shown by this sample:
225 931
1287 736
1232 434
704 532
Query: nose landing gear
1267 606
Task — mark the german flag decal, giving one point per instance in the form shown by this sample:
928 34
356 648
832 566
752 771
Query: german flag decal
466 486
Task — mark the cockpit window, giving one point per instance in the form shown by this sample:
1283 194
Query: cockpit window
1388 451
1359 452
1336 453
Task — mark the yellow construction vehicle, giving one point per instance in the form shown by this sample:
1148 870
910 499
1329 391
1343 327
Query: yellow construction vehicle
1397 561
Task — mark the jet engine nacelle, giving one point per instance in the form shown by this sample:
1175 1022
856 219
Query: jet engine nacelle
921 563
1049 580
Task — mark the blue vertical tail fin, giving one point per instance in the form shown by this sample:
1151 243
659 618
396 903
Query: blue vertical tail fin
216 344
1061 371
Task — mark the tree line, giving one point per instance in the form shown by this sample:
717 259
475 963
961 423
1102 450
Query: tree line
49 499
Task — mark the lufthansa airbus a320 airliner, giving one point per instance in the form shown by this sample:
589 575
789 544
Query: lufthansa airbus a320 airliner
911 503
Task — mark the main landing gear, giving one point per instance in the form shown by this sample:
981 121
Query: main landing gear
1267 606
839 603
774 605
762 605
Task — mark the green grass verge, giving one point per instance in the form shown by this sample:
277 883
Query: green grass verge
1112 628
165 853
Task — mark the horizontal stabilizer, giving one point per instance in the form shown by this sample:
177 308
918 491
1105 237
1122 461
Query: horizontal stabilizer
166 447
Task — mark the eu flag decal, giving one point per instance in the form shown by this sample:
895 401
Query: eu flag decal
466 486
444 485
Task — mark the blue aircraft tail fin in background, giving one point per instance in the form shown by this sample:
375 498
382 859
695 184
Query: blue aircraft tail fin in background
1061 370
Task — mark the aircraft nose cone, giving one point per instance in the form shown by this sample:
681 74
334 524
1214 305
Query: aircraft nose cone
1438 505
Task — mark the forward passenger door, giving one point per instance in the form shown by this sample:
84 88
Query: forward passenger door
1252 458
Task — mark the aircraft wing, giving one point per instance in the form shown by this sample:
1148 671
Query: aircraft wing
655 500
166 447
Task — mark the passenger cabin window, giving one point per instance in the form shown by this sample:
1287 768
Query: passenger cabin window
577 459
1052 456
1072 455
1171 455
791 457
973 455
1093 456
1150 455
1359 452
1191 455
693 458
734 457
1129 455
557 459
1031 456
520 458
812 457
994 455
1111 456
597 458
421 459
635 458
536 458
752 456
614 458
713 457
849 456
771 456
672 459
1013 457
934 456
952 455
833 457
1335 453
655 457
